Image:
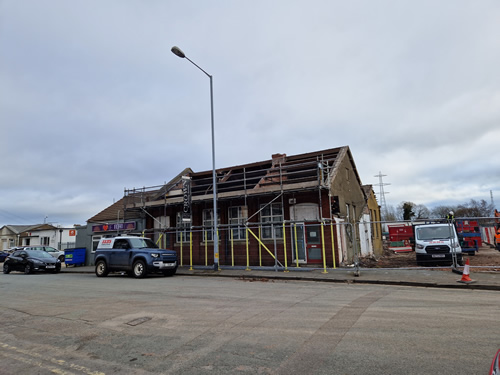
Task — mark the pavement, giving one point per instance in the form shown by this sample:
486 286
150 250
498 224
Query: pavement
430 277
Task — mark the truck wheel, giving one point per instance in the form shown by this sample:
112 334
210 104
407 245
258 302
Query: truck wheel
101 269
139 269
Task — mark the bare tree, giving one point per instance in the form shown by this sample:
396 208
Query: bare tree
421 212
441 211
390 214
475 208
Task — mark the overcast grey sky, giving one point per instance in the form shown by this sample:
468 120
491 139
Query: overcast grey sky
92 101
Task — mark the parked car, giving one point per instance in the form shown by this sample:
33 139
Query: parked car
135 255
29 261
52 251
3 255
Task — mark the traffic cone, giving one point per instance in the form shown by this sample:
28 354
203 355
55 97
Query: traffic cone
465 276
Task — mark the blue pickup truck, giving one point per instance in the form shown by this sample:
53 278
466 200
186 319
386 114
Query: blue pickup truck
137 256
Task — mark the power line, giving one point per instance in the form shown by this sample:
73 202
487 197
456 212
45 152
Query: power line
10 216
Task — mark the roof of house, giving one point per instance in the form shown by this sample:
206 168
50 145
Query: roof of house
115 212
18 229
281 172
311 170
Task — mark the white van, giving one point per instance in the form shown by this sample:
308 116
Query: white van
436 244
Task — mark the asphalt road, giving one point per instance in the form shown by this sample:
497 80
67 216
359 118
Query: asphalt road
81 324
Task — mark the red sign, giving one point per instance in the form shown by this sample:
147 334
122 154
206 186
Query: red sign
72 232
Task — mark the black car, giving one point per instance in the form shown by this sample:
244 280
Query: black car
29 261
3 254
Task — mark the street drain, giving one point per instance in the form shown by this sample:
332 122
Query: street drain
138 321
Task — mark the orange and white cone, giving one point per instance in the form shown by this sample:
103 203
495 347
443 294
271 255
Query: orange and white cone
465 276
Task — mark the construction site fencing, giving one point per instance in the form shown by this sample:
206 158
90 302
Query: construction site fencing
474 241
278 245
327 244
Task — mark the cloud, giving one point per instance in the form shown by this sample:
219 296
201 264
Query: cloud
92 101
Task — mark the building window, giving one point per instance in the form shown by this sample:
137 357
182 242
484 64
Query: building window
271 213
45 241
182 228
95 242
237 219
208 224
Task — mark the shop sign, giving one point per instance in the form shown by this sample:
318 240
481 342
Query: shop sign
186 199
114 227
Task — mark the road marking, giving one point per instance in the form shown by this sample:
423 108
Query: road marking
37 360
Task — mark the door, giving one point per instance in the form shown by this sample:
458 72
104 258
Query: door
120 254
306 232
298 243
313 243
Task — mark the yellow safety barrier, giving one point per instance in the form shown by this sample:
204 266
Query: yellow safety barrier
284 247
296 247
159 240
333 246
248 258
218 253
181 247
264 246
323 246
260 248
190 250
206 249
232 247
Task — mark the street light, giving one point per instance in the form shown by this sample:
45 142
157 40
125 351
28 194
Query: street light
178 52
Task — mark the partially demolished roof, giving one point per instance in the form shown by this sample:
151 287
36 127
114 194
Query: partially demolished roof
281 172
314 170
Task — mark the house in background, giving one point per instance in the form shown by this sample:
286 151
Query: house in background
10 234
38 234
289 210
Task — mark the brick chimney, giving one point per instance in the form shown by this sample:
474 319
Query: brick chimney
278 158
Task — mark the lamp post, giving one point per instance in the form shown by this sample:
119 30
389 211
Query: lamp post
178 52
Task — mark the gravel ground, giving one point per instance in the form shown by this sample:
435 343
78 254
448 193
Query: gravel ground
487 257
